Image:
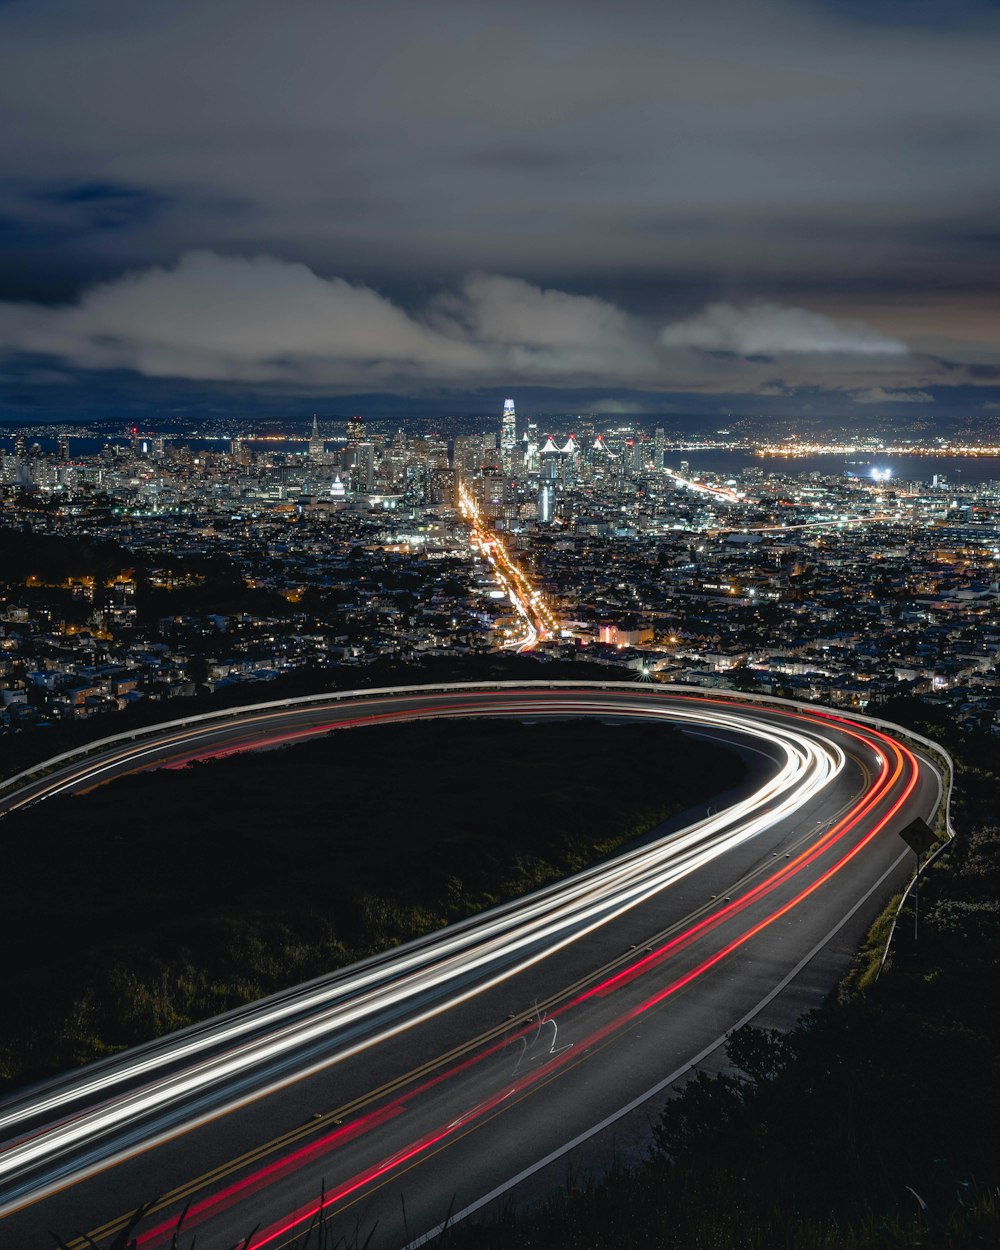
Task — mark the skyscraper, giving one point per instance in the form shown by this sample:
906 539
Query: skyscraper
471 451
365 468
550 459
508 437
355 431
531 449
570 458
317 447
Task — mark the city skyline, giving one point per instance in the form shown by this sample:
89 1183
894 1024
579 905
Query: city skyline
499 624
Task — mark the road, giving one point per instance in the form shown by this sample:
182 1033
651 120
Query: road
537 618
396 1094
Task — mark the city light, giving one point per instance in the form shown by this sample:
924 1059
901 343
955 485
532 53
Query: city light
500 577
537 617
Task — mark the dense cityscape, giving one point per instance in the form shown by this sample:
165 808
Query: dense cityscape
499 625
608 543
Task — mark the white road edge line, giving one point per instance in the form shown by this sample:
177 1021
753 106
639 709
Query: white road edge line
661 1085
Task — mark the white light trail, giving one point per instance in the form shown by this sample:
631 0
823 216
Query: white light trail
164 1089
703 488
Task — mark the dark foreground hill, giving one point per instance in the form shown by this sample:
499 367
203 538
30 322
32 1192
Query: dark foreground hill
167 897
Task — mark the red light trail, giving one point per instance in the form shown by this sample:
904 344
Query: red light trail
584 1016
458 1126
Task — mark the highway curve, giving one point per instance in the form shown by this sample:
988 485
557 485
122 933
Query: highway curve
405 1091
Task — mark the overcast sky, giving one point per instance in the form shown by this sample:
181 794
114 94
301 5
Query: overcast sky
707 201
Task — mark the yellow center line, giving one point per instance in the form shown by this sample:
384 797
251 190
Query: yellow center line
290 1137
507 1105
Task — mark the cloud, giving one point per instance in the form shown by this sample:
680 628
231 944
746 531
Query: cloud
748 141
262 319
224 318
762 329
879 395
511 310
733 150
216 318
538 331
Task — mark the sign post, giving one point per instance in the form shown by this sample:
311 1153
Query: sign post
919 836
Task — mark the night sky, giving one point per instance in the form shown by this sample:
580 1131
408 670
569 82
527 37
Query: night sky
664 207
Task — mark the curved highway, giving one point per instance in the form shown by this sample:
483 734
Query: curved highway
411 1089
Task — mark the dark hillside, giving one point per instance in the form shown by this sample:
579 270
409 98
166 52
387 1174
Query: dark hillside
173 895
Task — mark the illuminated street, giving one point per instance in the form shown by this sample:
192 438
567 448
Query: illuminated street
537 618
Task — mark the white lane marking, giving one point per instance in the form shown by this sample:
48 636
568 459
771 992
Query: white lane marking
588 900
659 1086
594 895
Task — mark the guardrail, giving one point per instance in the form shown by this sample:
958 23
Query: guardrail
899 731
223 714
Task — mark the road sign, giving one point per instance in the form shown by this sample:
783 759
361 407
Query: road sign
918 835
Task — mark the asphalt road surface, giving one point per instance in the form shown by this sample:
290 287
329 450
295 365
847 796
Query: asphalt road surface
415 1088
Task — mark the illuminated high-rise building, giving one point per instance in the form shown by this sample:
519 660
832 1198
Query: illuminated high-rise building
659 446
437 452
355 431
488 490
549 460
531 450
365 468
508 437
570 455
472 451
317 448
